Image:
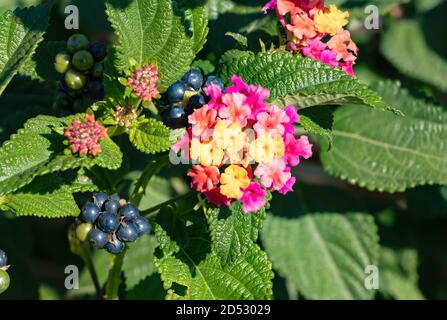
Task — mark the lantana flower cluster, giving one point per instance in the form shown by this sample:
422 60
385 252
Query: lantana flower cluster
84 135
317 31
241 147
144 82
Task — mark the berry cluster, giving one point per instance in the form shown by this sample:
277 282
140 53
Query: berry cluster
185 96
4 277
316 31
109 222
82 67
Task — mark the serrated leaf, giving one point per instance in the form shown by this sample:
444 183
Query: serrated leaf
111 155
150 136
324 254
233 231
20 33
381 151
156 30
41 65
318 121
196 14
240 39
138 263
405 47
45 197
190 269
298 81
398 274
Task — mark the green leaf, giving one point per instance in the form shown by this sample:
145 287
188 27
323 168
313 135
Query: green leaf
196 15
233 231
298 81
20 33
190 269
324 255
240 39
111 155
398 274
381 151
138 263
150 136
20 159
217 7
45 197
41 65
318 121
156 30
405 47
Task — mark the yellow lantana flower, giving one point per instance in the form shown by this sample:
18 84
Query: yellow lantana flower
331 21
207 154
233 180
231 138
266 148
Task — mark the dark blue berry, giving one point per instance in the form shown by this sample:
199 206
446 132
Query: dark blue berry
111 205
90 212
98 238
176 92
95 89
129 212
4 258
213 79
195 102
108 222
175 117
115 247
127 232
193 79
100 198
115 197
142 225
98 51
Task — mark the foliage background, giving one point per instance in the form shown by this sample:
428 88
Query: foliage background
411 220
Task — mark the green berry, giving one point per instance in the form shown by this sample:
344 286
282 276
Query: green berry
77 42
4 281
83 230
97 70
75 80
62 62
82 60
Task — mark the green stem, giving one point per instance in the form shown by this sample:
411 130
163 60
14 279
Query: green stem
114 277
148 213
151 169
87 257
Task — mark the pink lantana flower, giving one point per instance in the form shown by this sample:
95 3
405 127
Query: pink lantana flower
314 48
215 197
288 186
329 57
302 26
204 178
271 122
202 120
144 82
255 95
235 111
84 135
293 118
214 92
253 198
296 148
271 5
273 175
